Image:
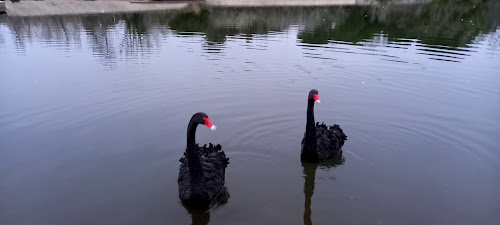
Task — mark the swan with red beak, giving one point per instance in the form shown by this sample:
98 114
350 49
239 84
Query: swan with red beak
202 170
320 141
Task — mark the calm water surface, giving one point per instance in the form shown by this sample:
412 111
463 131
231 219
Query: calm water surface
94 110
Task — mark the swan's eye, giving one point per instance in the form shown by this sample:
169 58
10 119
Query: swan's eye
209 124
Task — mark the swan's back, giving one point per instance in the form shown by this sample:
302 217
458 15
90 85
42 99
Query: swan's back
214 163
329 140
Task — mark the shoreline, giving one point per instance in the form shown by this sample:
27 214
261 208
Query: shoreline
50 8
82 7
274 3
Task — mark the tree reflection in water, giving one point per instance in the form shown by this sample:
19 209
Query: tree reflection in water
442 23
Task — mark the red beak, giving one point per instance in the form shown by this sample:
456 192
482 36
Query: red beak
316 98
208 123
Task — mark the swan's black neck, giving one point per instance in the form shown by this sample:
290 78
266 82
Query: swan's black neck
310 115
309 151
192 152
191 133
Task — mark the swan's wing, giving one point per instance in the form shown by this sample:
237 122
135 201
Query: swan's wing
329 140
336 131
214 163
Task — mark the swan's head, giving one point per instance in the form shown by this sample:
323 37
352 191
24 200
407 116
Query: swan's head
202 118
313 95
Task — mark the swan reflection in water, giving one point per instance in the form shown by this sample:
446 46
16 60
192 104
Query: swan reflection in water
202 216
309 176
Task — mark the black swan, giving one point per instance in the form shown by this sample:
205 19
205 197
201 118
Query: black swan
320 142
202 170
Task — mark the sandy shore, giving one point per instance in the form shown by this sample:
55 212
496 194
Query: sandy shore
42 8
67 7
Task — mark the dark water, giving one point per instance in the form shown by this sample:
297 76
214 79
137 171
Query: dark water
94 110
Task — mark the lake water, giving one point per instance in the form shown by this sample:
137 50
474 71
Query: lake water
94 111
